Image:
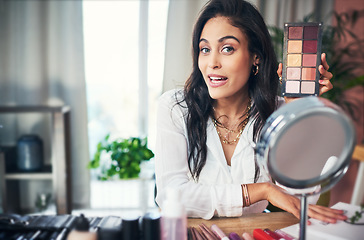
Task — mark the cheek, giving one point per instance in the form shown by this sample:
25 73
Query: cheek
242 73
244 68
201 66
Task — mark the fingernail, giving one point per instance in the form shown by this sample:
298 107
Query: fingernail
321 81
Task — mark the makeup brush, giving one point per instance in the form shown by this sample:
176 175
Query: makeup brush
210 235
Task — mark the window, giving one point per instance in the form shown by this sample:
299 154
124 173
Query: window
121 98
111 36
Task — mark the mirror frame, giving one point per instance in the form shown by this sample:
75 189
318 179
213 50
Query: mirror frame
282 120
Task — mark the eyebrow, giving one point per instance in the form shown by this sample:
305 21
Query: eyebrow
222 39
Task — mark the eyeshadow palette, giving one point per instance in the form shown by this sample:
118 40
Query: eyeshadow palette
301 59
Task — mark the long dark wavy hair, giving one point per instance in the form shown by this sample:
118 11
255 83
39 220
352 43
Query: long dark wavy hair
262 87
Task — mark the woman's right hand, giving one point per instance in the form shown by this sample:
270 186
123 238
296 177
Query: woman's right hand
279 198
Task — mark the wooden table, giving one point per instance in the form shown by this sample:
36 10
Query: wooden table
358 192
248 223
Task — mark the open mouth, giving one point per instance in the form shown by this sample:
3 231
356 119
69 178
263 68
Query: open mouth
217 79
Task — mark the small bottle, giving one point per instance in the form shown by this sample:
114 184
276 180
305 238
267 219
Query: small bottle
173 219
130 228
151 226
81 231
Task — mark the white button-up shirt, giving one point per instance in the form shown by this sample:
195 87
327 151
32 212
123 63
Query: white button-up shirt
218 191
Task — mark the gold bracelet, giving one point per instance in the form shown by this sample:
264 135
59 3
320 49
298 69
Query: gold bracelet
246 196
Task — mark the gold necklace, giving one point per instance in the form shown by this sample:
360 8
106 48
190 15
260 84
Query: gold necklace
225 139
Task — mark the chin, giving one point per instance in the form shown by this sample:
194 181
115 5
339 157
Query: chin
216 93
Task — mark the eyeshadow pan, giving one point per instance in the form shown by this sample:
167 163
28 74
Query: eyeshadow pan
294 73
301 59
294 60
310 46
308 87
308 73
310 32
292 86
294 46
309 60
295 32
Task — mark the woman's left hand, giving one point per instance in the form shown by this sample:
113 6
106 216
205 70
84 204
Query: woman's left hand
325 76
280 198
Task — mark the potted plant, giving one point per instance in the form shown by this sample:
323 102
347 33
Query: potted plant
120 158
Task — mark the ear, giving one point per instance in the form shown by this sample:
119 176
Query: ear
256 60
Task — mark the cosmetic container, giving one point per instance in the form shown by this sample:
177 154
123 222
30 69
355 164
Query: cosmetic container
151 226
130 228
219 232
301 59
81 231
173 219
29 153
109 228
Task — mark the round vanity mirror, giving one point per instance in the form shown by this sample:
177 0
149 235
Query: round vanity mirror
306 145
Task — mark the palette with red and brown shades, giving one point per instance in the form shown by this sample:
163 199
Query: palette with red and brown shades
301 59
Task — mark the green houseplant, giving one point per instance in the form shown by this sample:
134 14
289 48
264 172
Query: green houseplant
120 158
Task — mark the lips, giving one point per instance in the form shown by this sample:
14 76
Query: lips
217 80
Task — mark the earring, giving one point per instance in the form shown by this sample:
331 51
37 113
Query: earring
256 70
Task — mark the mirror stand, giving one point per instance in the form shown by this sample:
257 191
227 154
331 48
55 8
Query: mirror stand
303 217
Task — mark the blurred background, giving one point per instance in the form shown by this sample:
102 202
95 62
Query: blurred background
109 61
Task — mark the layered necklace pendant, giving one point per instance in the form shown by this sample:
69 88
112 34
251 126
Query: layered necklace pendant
233 130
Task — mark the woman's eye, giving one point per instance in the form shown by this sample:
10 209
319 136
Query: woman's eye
227 49
204 50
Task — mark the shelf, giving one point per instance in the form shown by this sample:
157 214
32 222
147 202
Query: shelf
44 174
59 172
33 109
28 176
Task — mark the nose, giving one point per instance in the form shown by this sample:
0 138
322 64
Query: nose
214 61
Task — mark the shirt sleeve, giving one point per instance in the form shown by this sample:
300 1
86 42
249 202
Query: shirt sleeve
171 168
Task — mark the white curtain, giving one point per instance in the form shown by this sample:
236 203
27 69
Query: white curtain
42 62
183 13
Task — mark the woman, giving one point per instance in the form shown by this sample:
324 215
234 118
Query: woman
204 131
